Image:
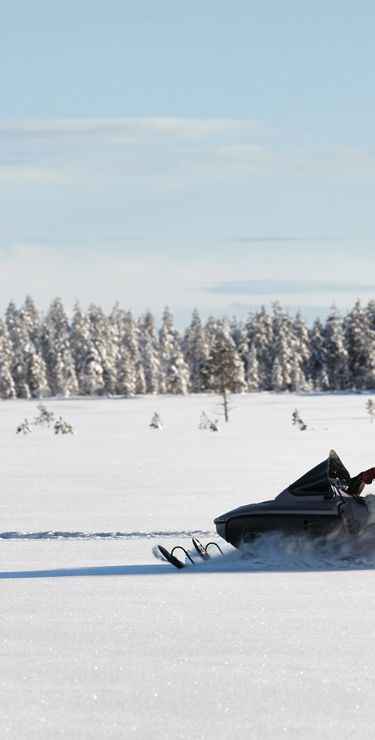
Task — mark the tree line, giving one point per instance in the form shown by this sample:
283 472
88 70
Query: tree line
118 354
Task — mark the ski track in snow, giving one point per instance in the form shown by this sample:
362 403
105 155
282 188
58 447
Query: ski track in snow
57 535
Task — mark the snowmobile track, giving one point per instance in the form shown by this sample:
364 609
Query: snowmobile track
57 535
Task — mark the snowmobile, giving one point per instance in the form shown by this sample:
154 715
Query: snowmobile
323 500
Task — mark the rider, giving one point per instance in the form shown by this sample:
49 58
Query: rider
359 481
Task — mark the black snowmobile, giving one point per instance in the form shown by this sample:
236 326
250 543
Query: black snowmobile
325 499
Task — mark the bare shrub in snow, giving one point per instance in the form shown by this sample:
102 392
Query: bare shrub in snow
45 416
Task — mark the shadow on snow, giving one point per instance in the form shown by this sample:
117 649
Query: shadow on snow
233 567
271 553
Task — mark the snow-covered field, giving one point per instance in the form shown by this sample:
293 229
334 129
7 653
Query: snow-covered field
101 640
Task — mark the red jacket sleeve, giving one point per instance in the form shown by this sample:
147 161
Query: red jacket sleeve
368 475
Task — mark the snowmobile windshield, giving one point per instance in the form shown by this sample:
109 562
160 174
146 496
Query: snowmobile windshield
328 479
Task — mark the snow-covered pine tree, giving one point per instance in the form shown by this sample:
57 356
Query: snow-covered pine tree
211 329
36 373
130 375
91 379
80 334
33 323
239 335
174 370
149 352
126 377
298 382
252 373
370 311
36 369
336 354
360 346
317 362
131 339
125 371
7 387
57 351
103 338
282 350
195 351
18 335
301 352
277 378
370 314
260 336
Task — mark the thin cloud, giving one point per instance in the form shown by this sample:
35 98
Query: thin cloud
238 154
281 287
26 172
124 128
165 150
298 239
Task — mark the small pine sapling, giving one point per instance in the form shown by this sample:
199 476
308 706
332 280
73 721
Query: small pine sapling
370 408
156 422
295 417
206 423
297 421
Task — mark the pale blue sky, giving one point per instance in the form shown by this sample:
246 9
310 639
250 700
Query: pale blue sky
216 153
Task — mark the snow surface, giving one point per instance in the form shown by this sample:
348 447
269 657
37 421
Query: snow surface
101 640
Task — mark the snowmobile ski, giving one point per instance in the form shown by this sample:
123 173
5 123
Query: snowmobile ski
171 557
200 549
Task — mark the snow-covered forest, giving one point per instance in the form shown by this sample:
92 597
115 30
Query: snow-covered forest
92 353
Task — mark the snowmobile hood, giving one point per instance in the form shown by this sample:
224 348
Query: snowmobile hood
324 479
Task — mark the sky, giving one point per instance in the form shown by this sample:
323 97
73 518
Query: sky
216 154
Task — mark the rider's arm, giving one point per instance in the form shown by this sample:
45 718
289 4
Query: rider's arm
357 483
368 475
